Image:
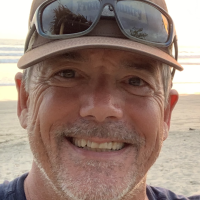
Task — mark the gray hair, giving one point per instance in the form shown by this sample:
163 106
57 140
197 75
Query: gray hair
26 78
167 81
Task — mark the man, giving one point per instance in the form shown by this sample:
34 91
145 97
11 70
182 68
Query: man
96 99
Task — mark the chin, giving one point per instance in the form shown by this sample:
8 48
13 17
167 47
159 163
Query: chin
94 181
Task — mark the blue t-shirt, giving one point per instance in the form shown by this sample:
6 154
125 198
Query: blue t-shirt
157 193
15 191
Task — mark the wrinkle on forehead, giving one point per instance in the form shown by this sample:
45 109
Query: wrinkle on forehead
127 60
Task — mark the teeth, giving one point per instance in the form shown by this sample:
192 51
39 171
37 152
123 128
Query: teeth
109 145
94 145
83 143
79 143
75 142
103 146
99 147
89 143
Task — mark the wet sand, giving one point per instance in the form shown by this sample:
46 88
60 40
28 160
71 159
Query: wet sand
177 168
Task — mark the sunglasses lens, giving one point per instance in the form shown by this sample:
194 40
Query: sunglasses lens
64 17
143 21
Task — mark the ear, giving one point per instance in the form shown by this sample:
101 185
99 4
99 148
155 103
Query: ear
22 110
173 99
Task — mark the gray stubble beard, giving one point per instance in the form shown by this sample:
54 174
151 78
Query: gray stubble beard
68 187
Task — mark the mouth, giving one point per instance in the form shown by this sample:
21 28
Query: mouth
90 145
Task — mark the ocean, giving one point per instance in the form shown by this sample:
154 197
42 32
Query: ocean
10 52
186 82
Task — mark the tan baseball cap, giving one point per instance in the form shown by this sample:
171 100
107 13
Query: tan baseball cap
106 34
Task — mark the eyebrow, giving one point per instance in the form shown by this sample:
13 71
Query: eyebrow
134 62
141 65
74 56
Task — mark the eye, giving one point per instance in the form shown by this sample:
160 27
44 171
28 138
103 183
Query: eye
135 81
69 73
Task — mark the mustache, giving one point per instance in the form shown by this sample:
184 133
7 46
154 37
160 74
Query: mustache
115 130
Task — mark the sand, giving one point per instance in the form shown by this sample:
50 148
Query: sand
177 168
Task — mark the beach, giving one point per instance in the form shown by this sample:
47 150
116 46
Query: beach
177 168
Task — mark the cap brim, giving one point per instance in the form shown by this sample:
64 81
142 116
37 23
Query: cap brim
57 47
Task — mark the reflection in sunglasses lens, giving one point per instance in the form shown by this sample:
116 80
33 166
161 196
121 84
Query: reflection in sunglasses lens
68 17
138 20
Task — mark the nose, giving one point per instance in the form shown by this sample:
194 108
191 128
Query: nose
101 103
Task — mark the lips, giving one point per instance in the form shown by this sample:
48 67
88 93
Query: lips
98 147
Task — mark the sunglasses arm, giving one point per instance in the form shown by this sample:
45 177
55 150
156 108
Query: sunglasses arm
176 54
28 37
32 29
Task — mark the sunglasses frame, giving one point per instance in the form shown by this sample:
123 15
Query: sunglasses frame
36 23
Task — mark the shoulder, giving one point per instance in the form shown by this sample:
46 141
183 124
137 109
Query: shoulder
195 197
157 193
13 190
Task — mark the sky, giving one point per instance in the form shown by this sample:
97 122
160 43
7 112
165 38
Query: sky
186 16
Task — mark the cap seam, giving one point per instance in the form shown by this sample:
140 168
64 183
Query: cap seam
111 34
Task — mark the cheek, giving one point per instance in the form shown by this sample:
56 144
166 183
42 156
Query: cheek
146 115
59 105
54 106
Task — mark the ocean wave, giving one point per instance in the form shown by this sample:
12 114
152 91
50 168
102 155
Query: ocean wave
11 42
7 81
7 84
11 49
189 56
190 63
12 54
9 60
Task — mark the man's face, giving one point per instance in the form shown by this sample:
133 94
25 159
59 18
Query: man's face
95 122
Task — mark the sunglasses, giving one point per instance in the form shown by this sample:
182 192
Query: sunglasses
139 20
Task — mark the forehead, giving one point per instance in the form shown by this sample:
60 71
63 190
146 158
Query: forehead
122 59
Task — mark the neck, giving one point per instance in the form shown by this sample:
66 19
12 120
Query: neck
138 192
36 186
